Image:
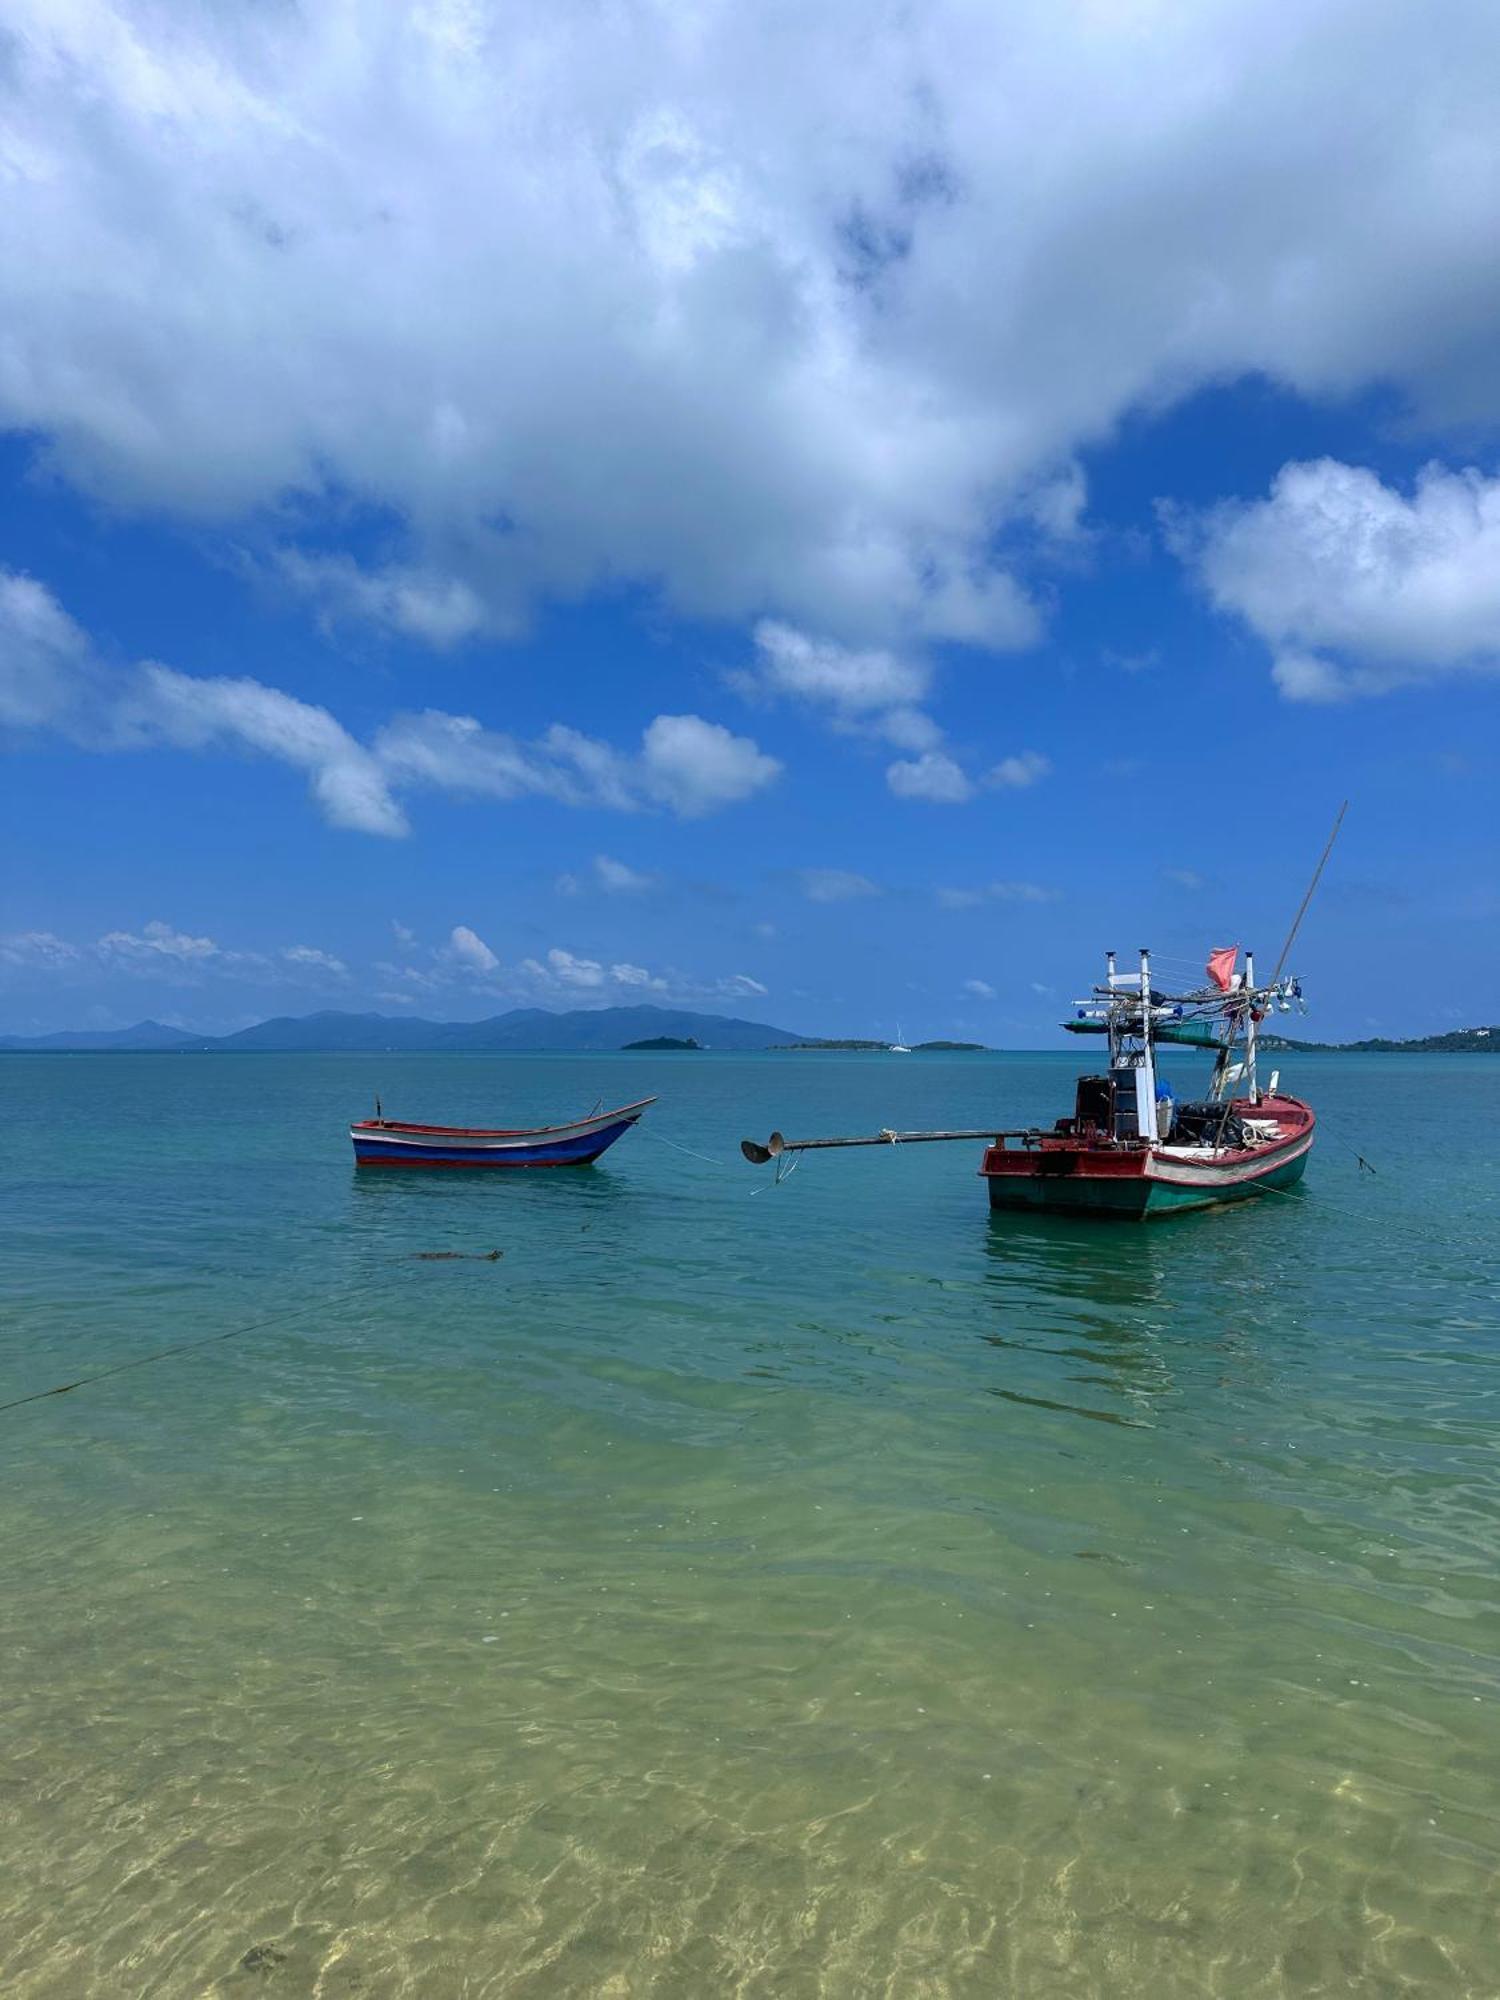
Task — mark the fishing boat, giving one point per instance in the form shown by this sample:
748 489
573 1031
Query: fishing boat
1129 1148
390 1142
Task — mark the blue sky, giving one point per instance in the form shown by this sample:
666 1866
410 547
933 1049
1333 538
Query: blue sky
832 524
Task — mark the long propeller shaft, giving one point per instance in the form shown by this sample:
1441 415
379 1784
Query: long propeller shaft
776 1145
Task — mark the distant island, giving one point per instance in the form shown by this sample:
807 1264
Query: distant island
880 1048
663 1042
1457 1041
583 1030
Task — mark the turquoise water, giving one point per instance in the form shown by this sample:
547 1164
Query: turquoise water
814 1590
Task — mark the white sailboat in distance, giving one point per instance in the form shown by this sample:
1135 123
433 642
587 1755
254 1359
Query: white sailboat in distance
898 1047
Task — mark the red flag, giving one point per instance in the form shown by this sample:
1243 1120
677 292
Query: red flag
1221 966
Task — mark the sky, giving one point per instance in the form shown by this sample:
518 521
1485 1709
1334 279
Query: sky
831 515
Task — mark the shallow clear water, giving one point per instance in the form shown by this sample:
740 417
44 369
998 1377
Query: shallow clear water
822 1589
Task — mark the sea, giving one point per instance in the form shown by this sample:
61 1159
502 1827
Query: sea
735 1588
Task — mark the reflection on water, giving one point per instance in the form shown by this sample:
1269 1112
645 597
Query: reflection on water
829 1590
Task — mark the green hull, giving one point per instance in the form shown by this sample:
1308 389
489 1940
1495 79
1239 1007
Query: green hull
1131 1199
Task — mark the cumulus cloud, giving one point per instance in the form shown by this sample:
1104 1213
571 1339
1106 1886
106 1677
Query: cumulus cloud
564 968
469 951
1355 587
779 311
934 776
871 691
51 678
694 767
835 885
687 765
980 989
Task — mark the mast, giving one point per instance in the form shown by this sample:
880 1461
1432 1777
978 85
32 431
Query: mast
1250 1088
1145 1089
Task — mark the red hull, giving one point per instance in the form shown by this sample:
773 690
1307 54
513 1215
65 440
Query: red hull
1097 1176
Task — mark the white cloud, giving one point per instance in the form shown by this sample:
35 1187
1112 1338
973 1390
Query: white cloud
1015 773
995 892
777 310
871 691
462 966
567 977
46 661
933 776
852 682
439 610
43 950
405 937
469 951
1355 588
835 885
619 879
457 754
690 766
195 714
52 678
158 940
1184 878
638 977
980 989
310 959
563 968
694 767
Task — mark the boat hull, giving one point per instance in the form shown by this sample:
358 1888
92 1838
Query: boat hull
382 1143
1063 1176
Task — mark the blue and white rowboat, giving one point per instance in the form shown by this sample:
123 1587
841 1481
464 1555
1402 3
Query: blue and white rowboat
386 1142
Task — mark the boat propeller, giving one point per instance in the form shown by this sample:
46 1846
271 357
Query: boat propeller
758 1155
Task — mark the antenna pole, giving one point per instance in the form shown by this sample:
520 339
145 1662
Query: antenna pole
1291 935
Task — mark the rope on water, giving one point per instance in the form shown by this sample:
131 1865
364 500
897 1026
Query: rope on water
787 1164
661 1139
189 1346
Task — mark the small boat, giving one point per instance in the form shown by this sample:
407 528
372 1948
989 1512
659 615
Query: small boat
898 1047
389 1142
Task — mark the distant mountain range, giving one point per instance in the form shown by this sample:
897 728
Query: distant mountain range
582 1030
524 1028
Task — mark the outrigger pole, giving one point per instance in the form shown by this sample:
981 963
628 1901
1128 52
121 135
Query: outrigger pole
776 1145
1291 936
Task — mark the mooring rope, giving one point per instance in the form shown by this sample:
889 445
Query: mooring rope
725 1166
189 1346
